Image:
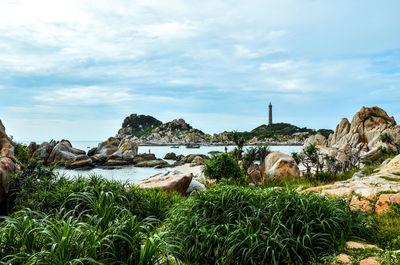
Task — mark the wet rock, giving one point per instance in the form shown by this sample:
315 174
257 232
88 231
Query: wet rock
80 161
155 163
170 156
92 151
99 158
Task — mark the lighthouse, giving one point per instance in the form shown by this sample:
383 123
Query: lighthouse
270 114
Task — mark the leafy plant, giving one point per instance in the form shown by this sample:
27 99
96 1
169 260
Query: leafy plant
223 166
237 225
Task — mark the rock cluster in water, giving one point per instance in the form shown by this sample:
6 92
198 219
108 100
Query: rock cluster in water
110 153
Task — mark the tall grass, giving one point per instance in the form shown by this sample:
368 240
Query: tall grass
57 220
33 238
236 225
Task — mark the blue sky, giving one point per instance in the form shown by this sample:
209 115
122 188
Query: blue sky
76 69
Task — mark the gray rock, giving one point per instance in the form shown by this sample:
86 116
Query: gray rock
195 185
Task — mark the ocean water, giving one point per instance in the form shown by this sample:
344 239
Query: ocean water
134 174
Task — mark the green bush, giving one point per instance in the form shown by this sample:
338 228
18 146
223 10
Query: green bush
222 166
387 234
237 225
21 152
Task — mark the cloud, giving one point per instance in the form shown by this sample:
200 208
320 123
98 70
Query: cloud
107 59
91 95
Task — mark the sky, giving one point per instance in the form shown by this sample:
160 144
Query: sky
75 69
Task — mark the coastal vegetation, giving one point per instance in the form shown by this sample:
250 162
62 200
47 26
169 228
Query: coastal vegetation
56 220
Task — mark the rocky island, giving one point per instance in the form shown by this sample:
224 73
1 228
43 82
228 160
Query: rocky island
147 130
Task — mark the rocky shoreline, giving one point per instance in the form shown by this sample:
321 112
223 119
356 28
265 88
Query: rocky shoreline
294 143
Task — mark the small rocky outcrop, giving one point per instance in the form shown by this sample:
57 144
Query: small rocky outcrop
278 165
8 163
147 129
170 156
169 182
63 152
54 152
80 161
375 192
154 163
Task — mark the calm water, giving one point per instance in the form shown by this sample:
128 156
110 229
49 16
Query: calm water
134 174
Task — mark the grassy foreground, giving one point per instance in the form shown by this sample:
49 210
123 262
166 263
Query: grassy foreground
56 220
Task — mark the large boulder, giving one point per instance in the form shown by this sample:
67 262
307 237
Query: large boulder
8 163
167 182
278 165
43 151
361 137
170 156
63 152
317 139
366 128
80 161
108 147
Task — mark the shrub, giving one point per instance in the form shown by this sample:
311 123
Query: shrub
21 152
223 166
387 234
237 225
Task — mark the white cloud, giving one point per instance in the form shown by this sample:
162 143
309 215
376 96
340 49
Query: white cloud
91 95
280 66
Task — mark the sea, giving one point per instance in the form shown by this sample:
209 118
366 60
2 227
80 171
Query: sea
134 174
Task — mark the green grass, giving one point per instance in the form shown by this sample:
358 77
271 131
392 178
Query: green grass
390 178
304 182
92 220
387 230
237 225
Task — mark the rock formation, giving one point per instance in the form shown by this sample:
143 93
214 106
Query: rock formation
278 165
363 136
53 152
8 163
368 192
147 129
168 182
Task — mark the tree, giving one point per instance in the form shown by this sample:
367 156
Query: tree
239 141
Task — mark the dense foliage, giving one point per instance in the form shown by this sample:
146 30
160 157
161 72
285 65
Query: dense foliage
277 131
57 220
236 225
223 166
